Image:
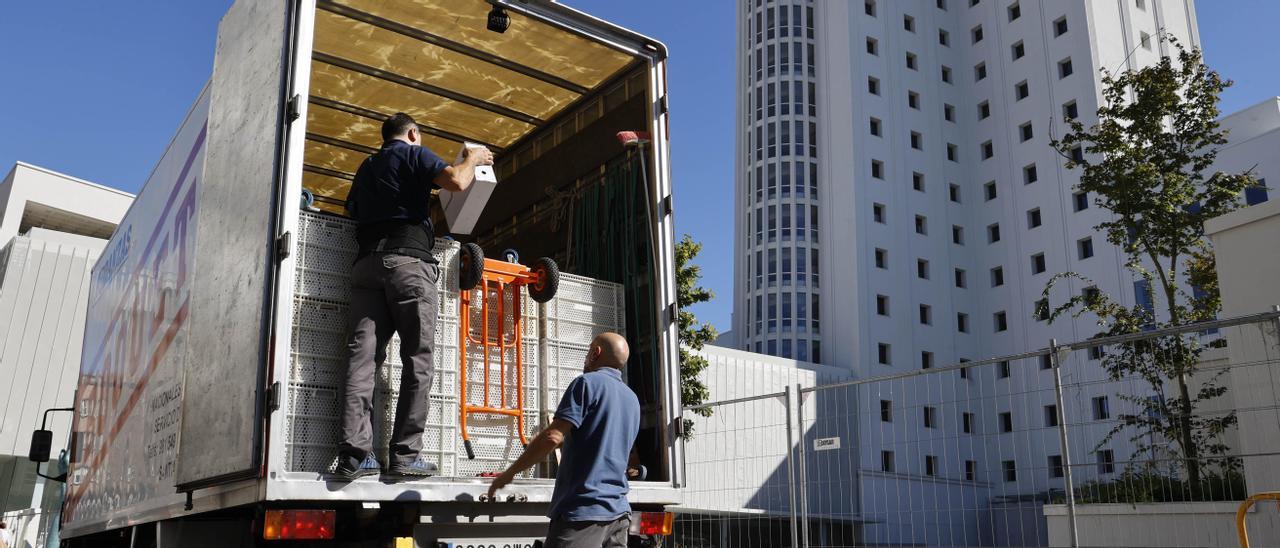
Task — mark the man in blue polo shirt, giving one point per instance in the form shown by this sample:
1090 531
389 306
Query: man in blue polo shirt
393 289
597 422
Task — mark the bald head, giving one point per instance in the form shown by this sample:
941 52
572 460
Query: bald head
607 350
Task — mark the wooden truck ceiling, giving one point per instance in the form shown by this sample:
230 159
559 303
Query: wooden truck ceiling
436 61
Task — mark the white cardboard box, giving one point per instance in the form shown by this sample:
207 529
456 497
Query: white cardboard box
462 209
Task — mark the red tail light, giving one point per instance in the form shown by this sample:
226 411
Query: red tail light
298 525
653 523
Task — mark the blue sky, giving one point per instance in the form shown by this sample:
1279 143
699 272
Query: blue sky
95 90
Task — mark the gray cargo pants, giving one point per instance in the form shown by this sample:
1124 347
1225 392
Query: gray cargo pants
389 294
592 534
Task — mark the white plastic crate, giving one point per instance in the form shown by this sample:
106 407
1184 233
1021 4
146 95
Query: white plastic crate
563 363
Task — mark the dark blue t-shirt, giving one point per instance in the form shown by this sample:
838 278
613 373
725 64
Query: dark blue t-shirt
591 484
395 183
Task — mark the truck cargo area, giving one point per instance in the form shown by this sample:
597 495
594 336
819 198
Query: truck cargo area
548 102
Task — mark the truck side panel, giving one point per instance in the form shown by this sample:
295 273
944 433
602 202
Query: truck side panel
221 428
129 395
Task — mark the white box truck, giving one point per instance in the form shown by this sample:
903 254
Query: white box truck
213 349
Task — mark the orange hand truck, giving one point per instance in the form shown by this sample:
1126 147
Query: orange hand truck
497 280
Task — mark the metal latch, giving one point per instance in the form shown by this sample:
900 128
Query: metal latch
292 109
662 105
273 396
284 246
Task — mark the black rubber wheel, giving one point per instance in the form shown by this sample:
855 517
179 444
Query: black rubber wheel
511 255
548 280
470 266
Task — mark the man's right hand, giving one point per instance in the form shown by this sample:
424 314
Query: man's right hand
479 156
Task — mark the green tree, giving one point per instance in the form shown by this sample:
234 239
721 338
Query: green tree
693 334
1146 161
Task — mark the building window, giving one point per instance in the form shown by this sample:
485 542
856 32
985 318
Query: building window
930 417
948 112
922 225
917 140
908 23
1096 353
1064 68
930 465
886 461
970 470
1101 408
877 169
952 153
1050 416
882 305
961 278
942 5
926 315
1046 361
997 276
913 100
1106 461
953 192
917 181
957 234
946 74
1145 40
877 213
869 7
1002 369
911 61
1055 466
1080 200
968 419
1084 248
882 354
964 372
979 72
875 127
1070 111
1256 194
976 33
988 150
886 411
1022 90
993 233
1077 155
1006 422
1037 263
1001 321
944 38
1142 4
873 85
984 110
882 258
922 269
1033 218
1029 174
1015 11
1010 471
1025 132
1060 26
962 322
1041 312
1018 50
873 46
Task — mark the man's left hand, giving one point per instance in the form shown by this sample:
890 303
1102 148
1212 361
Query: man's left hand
498 483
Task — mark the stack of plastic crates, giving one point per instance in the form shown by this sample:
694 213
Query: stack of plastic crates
582 308
326 249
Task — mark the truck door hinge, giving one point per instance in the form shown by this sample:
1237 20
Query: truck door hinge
284 246
672 313
273 397
293 108
666 205
662 105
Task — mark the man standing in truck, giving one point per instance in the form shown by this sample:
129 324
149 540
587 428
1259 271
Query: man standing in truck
597 422
393 290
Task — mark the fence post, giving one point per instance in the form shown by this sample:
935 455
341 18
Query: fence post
787 398
804 473
1056 361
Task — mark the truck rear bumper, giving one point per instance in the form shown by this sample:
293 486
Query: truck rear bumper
304 486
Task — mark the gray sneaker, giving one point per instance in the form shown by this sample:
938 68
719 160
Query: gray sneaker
369 467
417 469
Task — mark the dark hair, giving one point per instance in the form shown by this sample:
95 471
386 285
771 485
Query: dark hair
396 125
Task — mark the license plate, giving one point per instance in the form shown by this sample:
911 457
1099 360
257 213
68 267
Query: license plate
486 543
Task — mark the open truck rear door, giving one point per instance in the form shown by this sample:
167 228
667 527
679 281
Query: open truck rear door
225 364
